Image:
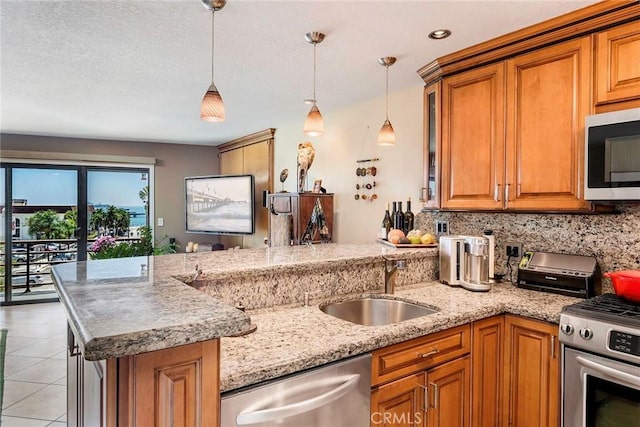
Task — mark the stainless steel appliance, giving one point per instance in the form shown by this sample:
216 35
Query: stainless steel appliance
572 275
465 261
612 156
336 395
600 340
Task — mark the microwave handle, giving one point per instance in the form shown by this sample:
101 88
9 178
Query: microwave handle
610 372
273 414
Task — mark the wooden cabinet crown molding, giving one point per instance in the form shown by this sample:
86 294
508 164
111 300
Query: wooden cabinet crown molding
580 22
250 139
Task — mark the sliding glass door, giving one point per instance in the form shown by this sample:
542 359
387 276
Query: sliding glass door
52 214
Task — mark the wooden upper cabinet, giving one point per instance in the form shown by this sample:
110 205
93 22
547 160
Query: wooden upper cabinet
473 111
548 96
251 155
618 64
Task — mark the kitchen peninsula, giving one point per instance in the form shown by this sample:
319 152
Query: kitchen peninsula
131 314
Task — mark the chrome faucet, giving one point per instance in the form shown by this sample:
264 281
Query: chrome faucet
391 267
199 275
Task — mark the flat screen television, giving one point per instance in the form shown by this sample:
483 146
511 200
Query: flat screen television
220 204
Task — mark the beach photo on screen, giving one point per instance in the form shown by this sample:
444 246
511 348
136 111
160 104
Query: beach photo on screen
220 204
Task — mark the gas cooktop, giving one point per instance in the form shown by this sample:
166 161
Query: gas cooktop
607 307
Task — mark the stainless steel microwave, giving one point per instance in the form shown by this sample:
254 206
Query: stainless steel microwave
612 150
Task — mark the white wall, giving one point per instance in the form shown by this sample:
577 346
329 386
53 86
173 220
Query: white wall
349 135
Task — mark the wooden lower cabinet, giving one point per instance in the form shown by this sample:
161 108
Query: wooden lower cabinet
448 392
165 388
487 360
424 382
532 366
506 374
173 387
400 402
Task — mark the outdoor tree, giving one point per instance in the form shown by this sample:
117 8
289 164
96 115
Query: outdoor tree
47 225
144 195
98 219
114 220
118 220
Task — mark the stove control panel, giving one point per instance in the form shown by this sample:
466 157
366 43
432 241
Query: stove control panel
607 339
624 342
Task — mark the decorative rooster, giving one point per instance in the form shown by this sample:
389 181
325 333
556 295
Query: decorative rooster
306 153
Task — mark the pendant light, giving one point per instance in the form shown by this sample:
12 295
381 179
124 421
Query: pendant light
386 136
313 125
212 108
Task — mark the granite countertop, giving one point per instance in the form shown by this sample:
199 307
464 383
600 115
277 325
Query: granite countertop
121 307
292 339
126 306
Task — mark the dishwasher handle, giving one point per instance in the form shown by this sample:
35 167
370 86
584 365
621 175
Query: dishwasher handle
273 414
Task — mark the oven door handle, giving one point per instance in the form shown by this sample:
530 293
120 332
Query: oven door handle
274 414
610 372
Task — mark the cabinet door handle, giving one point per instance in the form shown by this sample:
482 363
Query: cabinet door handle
425 400
506 192
429 353
436 395
496 193
553 346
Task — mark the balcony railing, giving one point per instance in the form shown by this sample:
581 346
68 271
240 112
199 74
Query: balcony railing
32 260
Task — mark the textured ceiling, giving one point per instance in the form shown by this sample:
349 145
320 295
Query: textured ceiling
137 70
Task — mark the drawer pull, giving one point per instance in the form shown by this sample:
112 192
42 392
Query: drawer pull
429 353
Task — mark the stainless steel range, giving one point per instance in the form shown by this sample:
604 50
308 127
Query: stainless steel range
601 362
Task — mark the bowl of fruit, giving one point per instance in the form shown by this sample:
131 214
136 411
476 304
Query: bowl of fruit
415 238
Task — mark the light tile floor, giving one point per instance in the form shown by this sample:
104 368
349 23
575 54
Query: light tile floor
35 388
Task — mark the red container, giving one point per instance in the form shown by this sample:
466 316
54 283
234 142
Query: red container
626 284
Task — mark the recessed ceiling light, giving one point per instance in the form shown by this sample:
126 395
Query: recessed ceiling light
439 34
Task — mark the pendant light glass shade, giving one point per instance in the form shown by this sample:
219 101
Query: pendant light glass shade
212 107
387 136
313 125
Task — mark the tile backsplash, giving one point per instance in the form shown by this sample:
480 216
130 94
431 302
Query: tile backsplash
614 239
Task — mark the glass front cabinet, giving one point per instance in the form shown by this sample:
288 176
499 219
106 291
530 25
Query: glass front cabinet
430 196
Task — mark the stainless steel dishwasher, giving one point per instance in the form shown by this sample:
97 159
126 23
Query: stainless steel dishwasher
335 395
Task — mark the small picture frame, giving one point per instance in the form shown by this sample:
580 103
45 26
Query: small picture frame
317 186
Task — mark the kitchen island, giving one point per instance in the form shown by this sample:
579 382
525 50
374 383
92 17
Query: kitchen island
123 309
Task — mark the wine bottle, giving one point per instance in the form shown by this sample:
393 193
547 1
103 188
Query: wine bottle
386 224
393 214
408 218
398 219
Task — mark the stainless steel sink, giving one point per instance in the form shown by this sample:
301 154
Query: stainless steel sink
372 311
